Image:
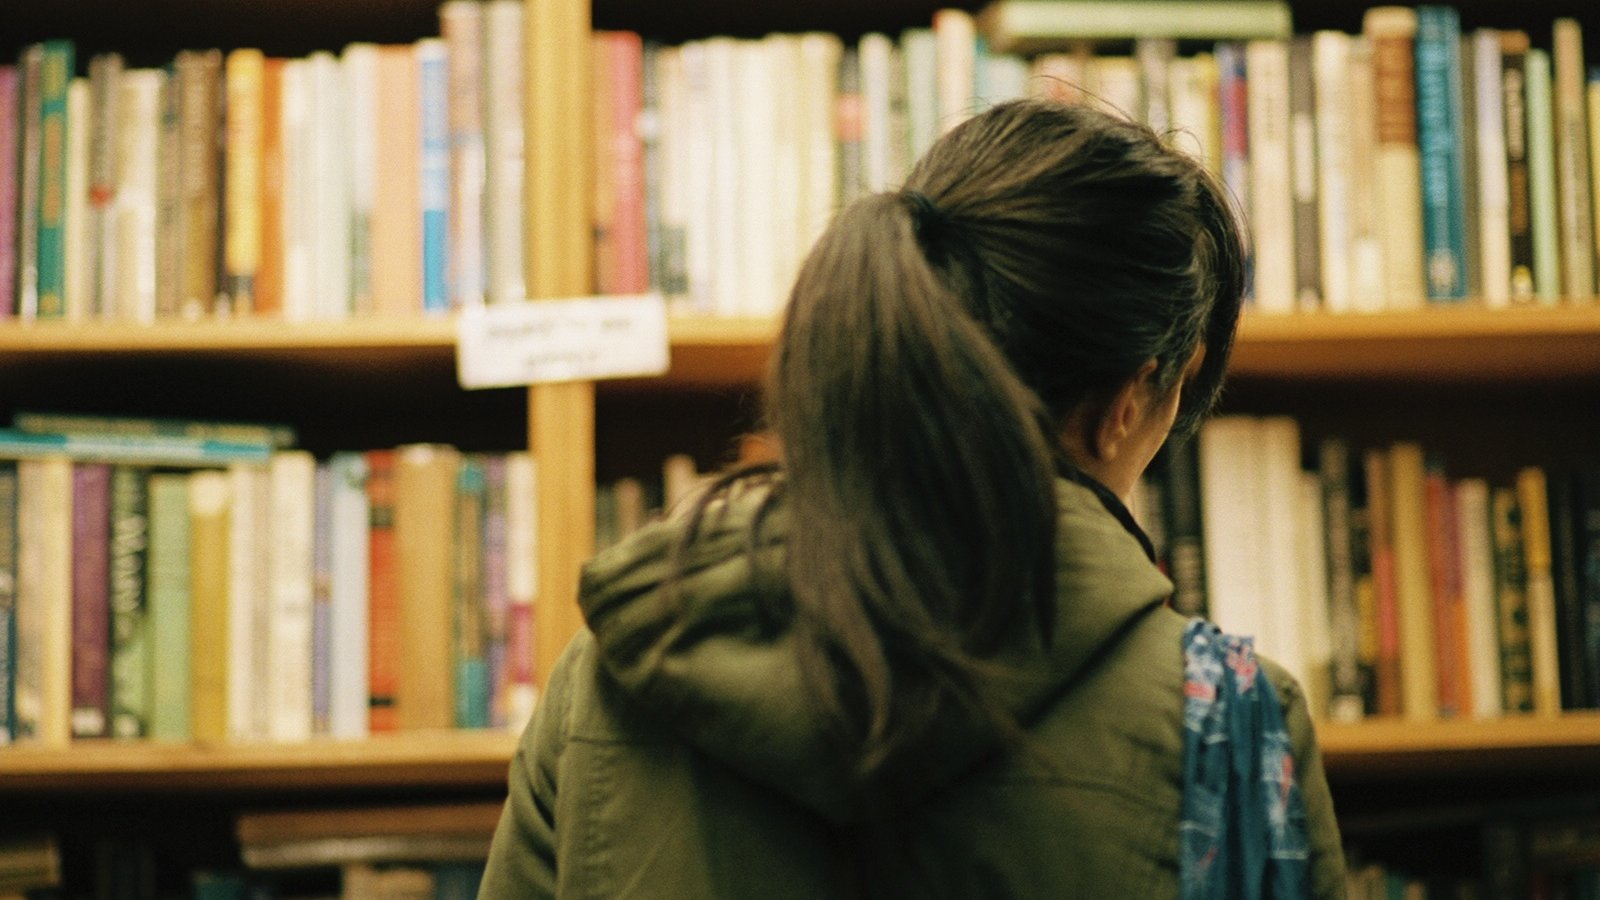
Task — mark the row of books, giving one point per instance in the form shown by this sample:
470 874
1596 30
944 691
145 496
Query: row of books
1407 165
385 180
1386 585
266 600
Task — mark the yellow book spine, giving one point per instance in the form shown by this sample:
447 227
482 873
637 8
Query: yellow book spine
425 482
1532 494
209 494
243 77
1418 668
1391 31
1594 154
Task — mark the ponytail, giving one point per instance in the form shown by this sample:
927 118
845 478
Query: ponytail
918 477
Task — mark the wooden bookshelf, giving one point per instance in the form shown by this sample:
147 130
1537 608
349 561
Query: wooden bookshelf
1447 346
1394 748
421 761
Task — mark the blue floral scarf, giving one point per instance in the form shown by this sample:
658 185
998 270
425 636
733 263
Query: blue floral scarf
1244 825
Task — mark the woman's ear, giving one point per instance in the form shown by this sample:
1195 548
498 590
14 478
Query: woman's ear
1123 413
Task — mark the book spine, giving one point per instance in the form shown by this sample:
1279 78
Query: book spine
359 72
350 518
1414 594
322 599
1465 91
1494 202
956 39
383 611
244 149
1443 579
199 75
820 57
1185 531
1593 95
1533 498
755 132
1473 519
700 171
1194 108
787 213
130 620
461 27
397 201
1345 681
1233 111
424 539
1311 554
1564 561
433 98
1271 182
1154 57
56 78
522 555
1511 602
1386 674
607 240
1572 163
921 49
329 226
91 626
471 664
1519 199
168 599
10 122
169 237
503 74
105 140
247 654
1331 57
673 158
1588 548
849 127
127 448
1366 245
138 193
1542 179
619 72
1364 578
8 602
292 476
1229 501
1439 144
76 281
1304 99
496 596
295 224
43 680
267 290
1281 490
209 502
31 68
1391 30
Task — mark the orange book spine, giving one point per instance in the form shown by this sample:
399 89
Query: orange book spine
396 200
1449 619
268 292
383 597
424 538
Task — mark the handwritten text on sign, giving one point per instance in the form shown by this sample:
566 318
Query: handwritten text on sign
585 339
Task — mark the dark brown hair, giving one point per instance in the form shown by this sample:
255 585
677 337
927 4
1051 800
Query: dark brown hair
935 339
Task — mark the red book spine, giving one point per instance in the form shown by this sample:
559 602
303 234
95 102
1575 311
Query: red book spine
8 191
91 605
383 587
626 58
1445 577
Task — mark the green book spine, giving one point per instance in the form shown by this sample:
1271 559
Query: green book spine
1542 174
56 75
130 633
472 671
168 607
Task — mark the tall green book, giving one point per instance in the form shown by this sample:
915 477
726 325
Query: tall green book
130 636
56 75
168 606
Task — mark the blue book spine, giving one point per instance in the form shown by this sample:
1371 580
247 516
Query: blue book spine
434 102
8 601
1444 223
130 448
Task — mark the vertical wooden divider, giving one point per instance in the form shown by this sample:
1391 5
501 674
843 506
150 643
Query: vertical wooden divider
559 256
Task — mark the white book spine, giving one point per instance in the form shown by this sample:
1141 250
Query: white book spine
674 150
1311 540
75 215
1271 193
1366 246
1195 126
756 119
957 39
522 580
1281 600
1478 594
461 24
788 167
1330 65
1114 85
820 55
503 80
299 273
360 122
138 134
330 191
43 681
1230 482
348 685
1007 78
247 586
875 55
293 487
921 51
699 176
728 177
1494 223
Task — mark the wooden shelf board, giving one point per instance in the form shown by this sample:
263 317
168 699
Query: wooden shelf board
421 760
1386 747
243 335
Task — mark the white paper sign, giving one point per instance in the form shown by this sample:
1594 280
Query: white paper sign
583 339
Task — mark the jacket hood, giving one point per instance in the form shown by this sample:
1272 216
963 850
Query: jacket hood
700 658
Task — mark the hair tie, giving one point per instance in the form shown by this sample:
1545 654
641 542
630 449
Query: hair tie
926 217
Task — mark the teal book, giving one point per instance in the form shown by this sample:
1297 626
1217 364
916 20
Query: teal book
123 448
130 631
1542 178
1439 141
8 601
56 75
281 437
471 663
433 97
168 606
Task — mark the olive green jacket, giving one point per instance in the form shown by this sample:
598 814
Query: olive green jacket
672 755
